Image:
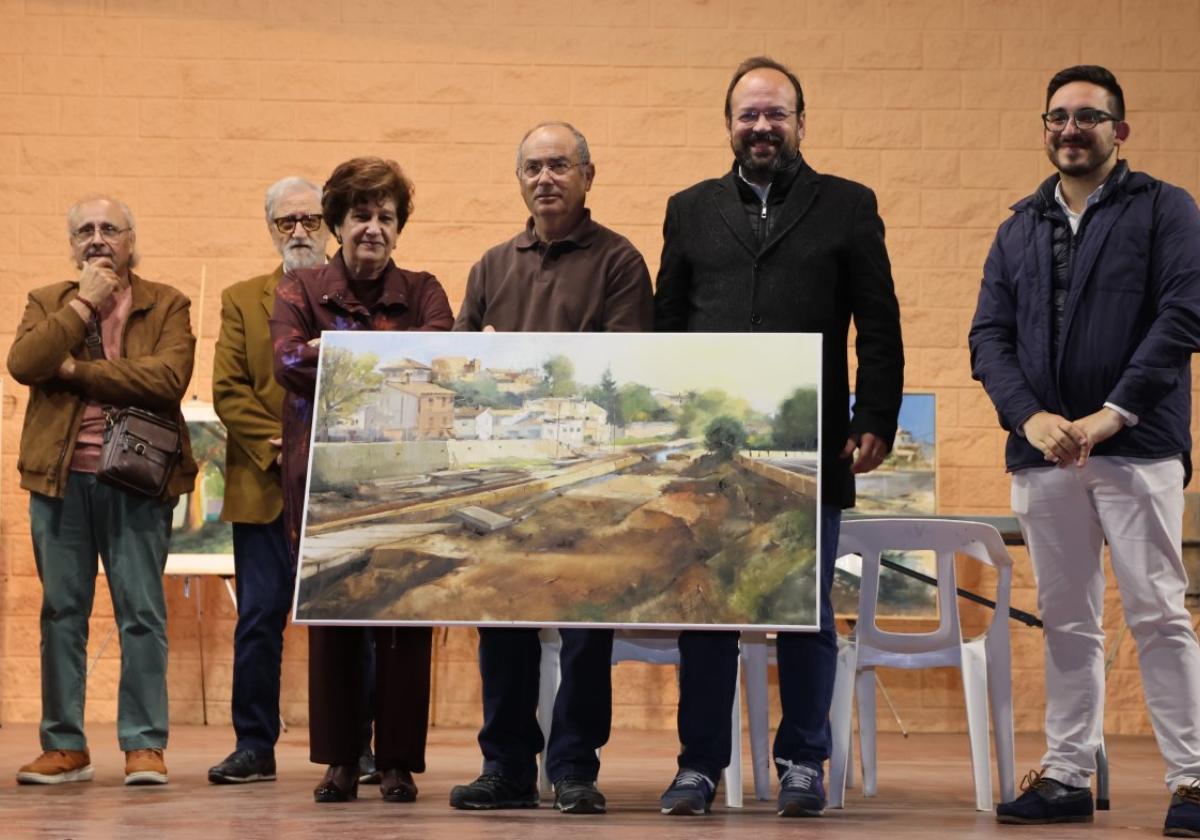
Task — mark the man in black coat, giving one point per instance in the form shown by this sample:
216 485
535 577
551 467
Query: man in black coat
775 247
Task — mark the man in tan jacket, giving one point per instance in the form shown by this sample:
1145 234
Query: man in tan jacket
249 402
145 334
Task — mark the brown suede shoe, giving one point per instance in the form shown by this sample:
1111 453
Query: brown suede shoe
53 767
145 767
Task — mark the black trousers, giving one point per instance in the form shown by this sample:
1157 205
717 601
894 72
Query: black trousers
807 666
509 664
264 578
339 711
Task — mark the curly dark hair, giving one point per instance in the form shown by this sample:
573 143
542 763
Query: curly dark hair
366 179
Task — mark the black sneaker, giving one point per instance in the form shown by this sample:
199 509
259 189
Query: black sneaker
801 791
244 766
689 794
578 796
368 774
492 791
1183 815
1046 801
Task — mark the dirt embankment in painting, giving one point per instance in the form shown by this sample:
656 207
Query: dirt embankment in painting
679 542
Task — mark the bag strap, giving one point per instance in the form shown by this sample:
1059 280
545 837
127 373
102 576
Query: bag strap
93 340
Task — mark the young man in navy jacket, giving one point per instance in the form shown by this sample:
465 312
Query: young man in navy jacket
1087 318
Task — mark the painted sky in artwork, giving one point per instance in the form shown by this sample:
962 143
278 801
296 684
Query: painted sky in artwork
764 368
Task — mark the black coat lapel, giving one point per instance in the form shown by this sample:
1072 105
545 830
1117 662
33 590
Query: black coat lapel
799 201
729 205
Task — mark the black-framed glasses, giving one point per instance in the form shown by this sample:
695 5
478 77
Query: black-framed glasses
108 232
309 221
1085 118
773 115
532 169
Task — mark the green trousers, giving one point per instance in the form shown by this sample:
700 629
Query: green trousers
130 534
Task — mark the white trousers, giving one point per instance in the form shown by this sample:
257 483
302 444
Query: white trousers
1066 514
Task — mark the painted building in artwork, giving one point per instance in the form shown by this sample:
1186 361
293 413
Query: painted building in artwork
519 382
454 369
406 371
473 423
415 411
565 412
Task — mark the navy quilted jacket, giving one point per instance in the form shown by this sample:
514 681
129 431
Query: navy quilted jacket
1131 323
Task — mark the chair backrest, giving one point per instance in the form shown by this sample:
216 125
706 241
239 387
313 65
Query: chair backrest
869 538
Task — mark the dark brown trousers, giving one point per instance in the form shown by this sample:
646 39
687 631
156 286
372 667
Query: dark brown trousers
400 705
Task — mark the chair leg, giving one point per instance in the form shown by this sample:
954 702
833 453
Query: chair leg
999 682
840 716
974 677
1102 801
733 773
547 689
864 691
754 666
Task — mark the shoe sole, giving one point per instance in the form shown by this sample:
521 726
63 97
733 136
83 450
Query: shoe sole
1012 820
83 774
795 809
582 807
146 777
508 804
1180 832
683 809
221 779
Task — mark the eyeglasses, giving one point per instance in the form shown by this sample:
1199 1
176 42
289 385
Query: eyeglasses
286 224
773 115
1085 119
532 169
108 233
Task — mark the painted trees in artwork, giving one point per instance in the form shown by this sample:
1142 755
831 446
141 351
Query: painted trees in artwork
347 380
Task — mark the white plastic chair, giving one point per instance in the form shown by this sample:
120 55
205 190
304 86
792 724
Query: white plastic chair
985 661
657 649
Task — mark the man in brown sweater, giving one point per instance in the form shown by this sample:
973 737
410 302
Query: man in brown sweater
563 273
104 341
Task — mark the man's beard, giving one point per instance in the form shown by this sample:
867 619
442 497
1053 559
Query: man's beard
302 256
1092 160
784 157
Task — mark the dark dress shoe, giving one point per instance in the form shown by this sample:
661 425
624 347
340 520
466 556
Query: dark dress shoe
340 784
397 786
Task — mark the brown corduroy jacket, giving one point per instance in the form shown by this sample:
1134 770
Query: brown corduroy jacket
152 372
249 401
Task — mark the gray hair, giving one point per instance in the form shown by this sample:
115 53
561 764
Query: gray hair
284 186
581 144
134 256
88 199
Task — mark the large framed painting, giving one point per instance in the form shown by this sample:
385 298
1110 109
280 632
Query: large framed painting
904 484
196 526
595 479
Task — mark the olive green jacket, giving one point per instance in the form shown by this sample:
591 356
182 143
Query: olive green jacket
249 401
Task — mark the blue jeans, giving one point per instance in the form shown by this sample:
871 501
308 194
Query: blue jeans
807 666
264 581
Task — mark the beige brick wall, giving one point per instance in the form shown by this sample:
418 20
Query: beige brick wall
189 110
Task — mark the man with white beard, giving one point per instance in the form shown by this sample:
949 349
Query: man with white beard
250 402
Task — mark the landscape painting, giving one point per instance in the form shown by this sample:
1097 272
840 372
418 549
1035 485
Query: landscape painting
594 479
903 485
196 526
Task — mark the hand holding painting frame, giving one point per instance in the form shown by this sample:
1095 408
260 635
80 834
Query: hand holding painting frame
554 479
